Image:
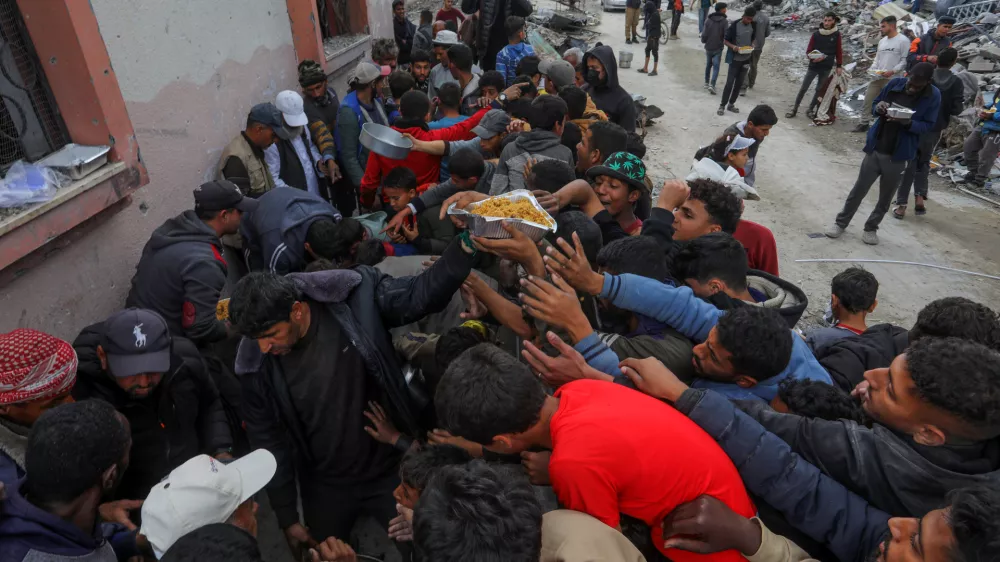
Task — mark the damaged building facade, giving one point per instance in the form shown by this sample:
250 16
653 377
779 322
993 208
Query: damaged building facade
166 85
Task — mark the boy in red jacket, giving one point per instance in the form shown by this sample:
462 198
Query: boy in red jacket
414 108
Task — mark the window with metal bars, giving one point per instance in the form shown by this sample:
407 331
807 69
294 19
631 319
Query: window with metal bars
30 125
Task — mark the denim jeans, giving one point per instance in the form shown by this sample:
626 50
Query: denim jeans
714 60
702 16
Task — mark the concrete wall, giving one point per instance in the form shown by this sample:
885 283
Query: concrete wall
189 71
380 18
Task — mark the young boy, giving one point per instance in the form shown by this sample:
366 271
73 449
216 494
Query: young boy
619 185
516 49
853 298
652 36
427 233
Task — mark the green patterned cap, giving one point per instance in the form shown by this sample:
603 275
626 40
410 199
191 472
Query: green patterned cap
624 166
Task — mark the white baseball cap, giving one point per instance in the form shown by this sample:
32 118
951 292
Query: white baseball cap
289 103
200 492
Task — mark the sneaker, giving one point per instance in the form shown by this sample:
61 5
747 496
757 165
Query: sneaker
705 86
711 90
743 91
870 237
721 111
834 231
732 108
653 73
861 128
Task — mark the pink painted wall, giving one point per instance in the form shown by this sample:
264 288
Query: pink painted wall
189 71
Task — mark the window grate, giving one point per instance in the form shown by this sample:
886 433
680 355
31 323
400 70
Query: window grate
30 126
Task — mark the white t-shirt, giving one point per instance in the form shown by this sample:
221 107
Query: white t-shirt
892 53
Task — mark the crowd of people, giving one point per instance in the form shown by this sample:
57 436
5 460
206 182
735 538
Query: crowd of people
637 385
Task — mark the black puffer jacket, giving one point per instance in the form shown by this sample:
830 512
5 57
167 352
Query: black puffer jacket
494 12
183 418
887 468
609 96
847 359
367 303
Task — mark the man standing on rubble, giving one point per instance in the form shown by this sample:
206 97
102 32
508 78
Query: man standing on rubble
927 48
890 60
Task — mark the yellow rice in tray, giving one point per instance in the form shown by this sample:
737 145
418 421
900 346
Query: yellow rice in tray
506 208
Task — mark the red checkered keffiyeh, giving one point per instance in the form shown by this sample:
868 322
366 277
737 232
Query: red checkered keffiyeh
34 366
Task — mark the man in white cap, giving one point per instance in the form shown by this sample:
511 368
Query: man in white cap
441 74
296 162
204 491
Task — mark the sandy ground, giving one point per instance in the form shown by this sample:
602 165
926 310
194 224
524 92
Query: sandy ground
804 175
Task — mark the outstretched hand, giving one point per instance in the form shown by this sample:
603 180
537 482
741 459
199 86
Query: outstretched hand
653 378
555 303
570 263
382 428
706 526
461 201
567 367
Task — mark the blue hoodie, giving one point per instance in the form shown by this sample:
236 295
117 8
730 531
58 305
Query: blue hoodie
680 308
28 531
274 235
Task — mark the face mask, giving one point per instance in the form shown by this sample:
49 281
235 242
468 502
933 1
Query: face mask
593 77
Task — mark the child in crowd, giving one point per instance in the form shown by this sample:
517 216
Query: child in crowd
852 299
517 48
427 233
619 184
418 467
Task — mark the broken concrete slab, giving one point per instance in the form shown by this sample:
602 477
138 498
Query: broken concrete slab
981 64
990 51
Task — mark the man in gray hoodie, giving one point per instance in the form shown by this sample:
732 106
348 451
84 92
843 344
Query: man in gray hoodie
181 273
547 118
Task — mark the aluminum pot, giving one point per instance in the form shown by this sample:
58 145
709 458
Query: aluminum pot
385 141
624 59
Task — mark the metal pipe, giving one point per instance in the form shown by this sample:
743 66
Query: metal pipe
931 265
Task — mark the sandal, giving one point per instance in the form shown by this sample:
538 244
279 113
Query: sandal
791 114
899 212
920 211
642 70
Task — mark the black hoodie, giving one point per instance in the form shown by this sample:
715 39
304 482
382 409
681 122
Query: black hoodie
181 419
847 359
180 275
609 96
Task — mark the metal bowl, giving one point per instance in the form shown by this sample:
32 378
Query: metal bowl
492 227
385 141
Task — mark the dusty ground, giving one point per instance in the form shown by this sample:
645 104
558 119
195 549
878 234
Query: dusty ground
804 175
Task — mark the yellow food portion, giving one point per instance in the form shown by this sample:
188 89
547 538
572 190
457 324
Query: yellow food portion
222 310
505 208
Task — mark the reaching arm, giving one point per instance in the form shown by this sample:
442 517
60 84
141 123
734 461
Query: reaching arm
461 130
816 504
203 283
675 306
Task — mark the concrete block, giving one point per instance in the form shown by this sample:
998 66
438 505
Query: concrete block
980 64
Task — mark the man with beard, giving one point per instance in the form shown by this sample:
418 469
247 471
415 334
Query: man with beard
420 68
322 105
742 353
967 527
159 383
316 351
76 456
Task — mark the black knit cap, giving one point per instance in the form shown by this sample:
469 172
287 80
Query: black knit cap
310 72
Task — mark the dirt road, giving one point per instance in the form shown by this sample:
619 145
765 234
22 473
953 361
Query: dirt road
804 175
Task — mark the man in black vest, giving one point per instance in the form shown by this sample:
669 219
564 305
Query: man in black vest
824 50
296 162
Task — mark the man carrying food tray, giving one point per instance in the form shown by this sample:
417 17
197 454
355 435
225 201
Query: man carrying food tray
739 39
823 51
890 60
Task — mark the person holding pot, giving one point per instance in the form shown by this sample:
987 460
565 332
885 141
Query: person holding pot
359 107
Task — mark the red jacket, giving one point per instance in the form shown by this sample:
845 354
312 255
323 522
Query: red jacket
427 167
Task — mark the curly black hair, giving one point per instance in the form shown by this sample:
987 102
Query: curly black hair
420 465
974 516
817 399
962 378
855 288
487 392
722 205
958 317
478 512
758 339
